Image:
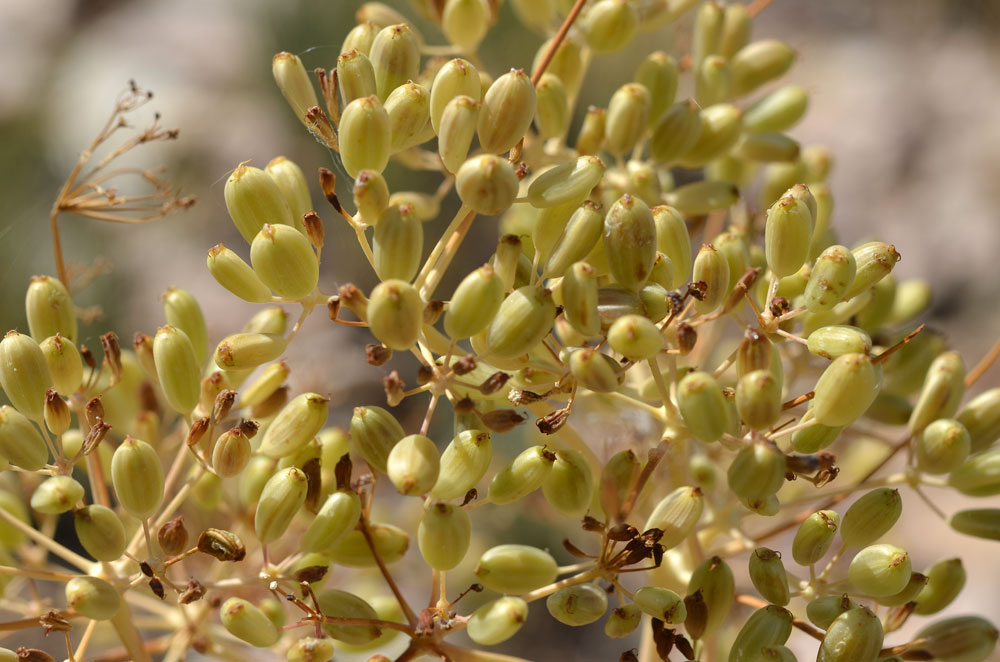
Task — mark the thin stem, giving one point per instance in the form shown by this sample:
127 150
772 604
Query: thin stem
450 250
983 365
65 554
546 591
757 603
407 610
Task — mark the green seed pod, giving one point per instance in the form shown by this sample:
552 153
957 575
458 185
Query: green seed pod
846 389
443 535
617 478
567 63
908 594
365 136
759 62
408 107
595 371
487 184
423 205
360 37
942 446
474 304
92 597
714 579
522 476
371 195
767 147
552 112
871 517
721 126
570 182
673 240
628 115
498 620
252 480
56 495
515 569
355 76
945 580
834 341
374 432
711 268
822 612
913 297
65 364
979 522
814 537
578 238
676 515
456 130
831 276
943 389
253 199
352 550
137 476
282 496
507 111
578 605
702 406
580 299
245 351
712 82
610 25
757 471
876 312
24 374
767 573
635 337
310 649
347 605
266 383
413 464
285 261
247 622
733 245
706 32
874 262
735 32
880 570
395 314
957 639
230 271
100 532
463 463
49 309
787 235
294 83
658 73
177 368
183 312
292 183
525 317
676 132
20 441
398 243
338 515
768 626
206 490
661 603
395 58
591 136
758 399
662 273
569 486
455 78
465 22
57 414
981 417
778 111
231 453
295 425
854 636
623 621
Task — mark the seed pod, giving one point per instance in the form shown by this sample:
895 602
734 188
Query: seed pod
721 126
706 32
266 383
822 612
413 464
230 271
497 621
578 238
455 78
569 486
24 374
294 83
49 309
398 244
20 441
253 199
487 184
714 579
945 580
456 130
702 406
552 107
854 636
65 365
374 432
942 446
408 107
177 368
137 476
507 111
711 268
371 195
768 626
979 522
525 317
247 622
758 63
871 516
757 471
767 573
673 240
57 414
880 570
474 303
292 183
100 532
580 299
465 22
341 604
846 389
183 312
830 279
834 341
874 262
787 235
92 597
814 537
395 58
943 389
352 550
628 115
777 111
567 183
463 462
978 476
443 535
338 516
595 371
360 37
231 453
908 594
610 25
355 76
515 569
310 649
758 399
395 314
676 132
591 135
245 351
635 337
56 495
522 476
365 135
712 83
658 73
957 639
676 515
577 605
623 621
285 261
282 496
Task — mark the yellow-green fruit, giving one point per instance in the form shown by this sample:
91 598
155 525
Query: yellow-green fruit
282 496
507 110
443 535
497 621
474 304
253 199
908 594
552 110
676 515
676 132
522 476
610 25
758 63
580 299
20 441
714 579
979 522
395 314
569 487
49 309
463 463
100 532
525 317
65 364
942 392
230 271
408 107
591 135
703 406
294 82
515 569
374 432
830 278
371 195
711 268
247 622
978 476
569 182
658 74
92 597
661 603
295 425
777 111
455 78
874 261
757 471
177 368
56 495
846 389
721 126
413 464
183 312
712 85
595 371
957 639
703 197
398 243
338 515
292 183
768 626
758 399
577 605
285 261
673 240
880 570
623 621
347 605
942 446
137 476
787 234
245 351
871 516
353 551
630 241
310 649
24 374
395 57
456 130
767 573
487 184
823 611
814 537
945 580
365 136
981 417
854 636
834 341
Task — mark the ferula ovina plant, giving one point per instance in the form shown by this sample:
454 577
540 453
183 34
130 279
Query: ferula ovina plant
666 349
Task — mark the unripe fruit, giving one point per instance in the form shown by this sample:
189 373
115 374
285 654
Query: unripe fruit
92 597
703 406
395 314
413 464
443 535
395 58
507 111
398 243
846 389
230 271
758 399
854 636
20 442
347 605
830 278
661 603
577 605
522 476
474 304
100 532
768 626
871 516
245 351
757 471
880 570
945 580
515 569
365 136
253 199
487 184
767 573
352 550
958 639
338 515
623 621
247 622
456 129
408 107
628 115
525 317
497 621
714 579
137 476
569 486
814 537
282 496
711 268
56 495
374 432
49 309
610 25
676 515
456 78
24 374
285 261
758 63
942 446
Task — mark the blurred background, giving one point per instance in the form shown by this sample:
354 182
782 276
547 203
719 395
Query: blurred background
904 93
